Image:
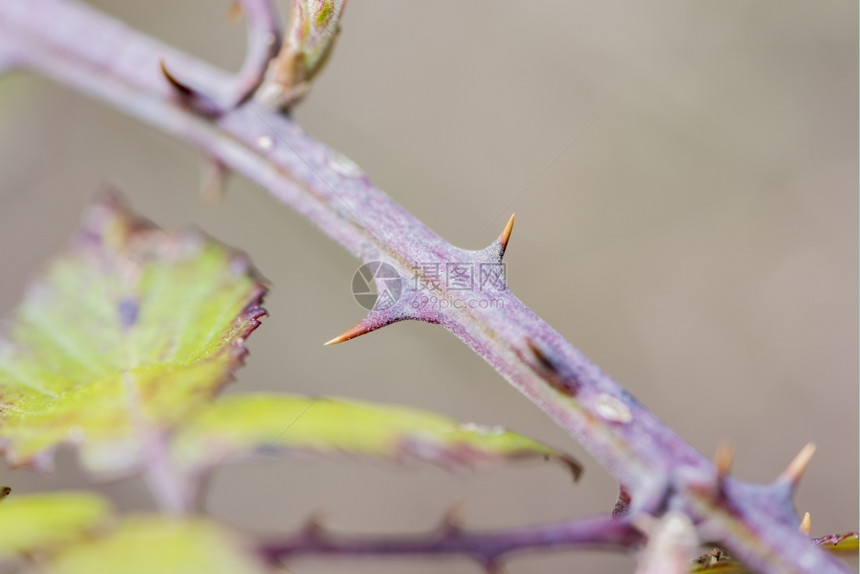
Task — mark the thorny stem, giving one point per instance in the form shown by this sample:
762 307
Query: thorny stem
486 548
80 47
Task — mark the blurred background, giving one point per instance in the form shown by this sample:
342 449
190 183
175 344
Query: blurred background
685 181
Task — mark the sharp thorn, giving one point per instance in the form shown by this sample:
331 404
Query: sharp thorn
806 524
796 467
355 331
183 89
452 522
723 459
506 233
195 100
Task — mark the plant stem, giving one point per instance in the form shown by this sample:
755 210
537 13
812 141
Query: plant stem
76 45
486 548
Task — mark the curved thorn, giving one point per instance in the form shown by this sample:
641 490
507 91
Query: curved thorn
506 234
542 358
183 89
723 459
806 524
796 467
195 100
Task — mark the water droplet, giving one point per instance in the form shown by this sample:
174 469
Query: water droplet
265 142
612 409
344 166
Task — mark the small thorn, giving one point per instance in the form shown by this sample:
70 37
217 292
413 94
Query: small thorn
314 527
622 505
506 233
357 330
235 11
723 459
213 181
796 467
195 100
541 357
548 367
806 524
183 89
452 522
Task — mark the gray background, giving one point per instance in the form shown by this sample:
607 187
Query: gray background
698 241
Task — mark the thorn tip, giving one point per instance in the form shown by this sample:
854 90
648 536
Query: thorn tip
174 82
355 331
723 459
797 467
506 232
806 524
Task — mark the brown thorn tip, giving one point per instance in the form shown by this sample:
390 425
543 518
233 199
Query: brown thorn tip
806 524
351 333
541 357
506 232
723 459
797 466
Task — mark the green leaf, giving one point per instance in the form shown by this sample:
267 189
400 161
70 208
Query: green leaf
727 567
236 427
121 337
148 545
722 564
40 522
840 543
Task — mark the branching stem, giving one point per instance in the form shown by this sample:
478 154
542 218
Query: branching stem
78 46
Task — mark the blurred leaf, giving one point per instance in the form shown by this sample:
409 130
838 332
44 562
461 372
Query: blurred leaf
839 543
121 337
236 427
148 545
726 567
35 522
835 543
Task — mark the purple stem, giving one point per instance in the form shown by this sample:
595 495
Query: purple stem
486 548
78 46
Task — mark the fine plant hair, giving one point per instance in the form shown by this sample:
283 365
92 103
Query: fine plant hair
672 500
